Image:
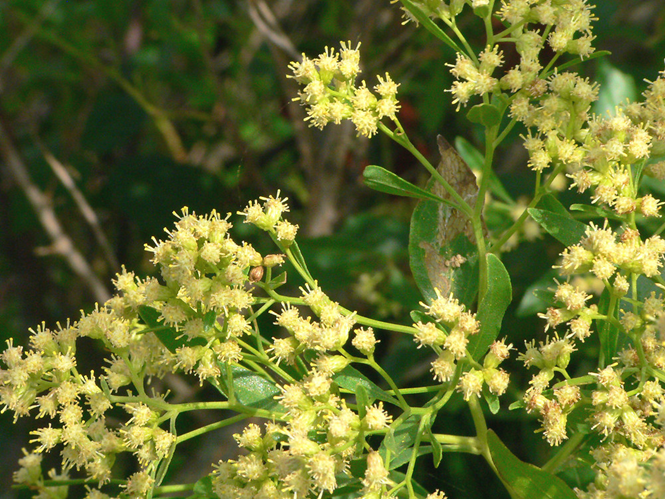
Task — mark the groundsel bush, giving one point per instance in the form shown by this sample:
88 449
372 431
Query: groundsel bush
327 430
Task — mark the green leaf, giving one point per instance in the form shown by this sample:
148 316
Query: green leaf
518 404
565 229
399 441
252 390
362 400
490 313
595 211
487 115
492 400
350 379
297 256
420 316
382 180
203 489
615 88
610 336
550 203
437 451
525 481
277 281
537 296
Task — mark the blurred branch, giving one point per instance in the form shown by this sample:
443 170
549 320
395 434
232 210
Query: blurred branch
158 115
266 22
21 41
84 207
61 242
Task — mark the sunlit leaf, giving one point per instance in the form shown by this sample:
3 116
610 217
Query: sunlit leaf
493 307
525 481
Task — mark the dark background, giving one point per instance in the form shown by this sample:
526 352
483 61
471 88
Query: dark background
115 113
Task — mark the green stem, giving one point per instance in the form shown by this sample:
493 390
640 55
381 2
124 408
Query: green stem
481 431
170 489
360 319
540 192
564 452
457 443
414 457
389 380
404 141
211 427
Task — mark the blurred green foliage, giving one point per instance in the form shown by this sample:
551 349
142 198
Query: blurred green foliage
147 106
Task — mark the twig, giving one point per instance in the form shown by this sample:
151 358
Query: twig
21 41
61 242
159 116
81 202
266 22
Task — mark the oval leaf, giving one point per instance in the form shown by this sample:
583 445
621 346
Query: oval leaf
563 228
550 203
610 336
616 87
252 390
484 114
382 180
350 379
493 307
525 481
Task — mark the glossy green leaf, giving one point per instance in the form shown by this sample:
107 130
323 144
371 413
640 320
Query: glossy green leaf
382 180
525 481
350 378
487 115
616 87
610 336
437 450
595 211
565 229
399 441
251 389
493 307
203 489
492 401
538 296
550 203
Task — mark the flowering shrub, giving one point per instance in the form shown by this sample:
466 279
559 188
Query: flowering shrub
328 430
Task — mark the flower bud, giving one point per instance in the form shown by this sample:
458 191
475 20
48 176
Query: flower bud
271 261
256 274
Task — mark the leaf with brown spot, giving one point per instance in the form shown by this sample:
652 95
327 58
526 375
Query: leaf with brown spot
442 250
